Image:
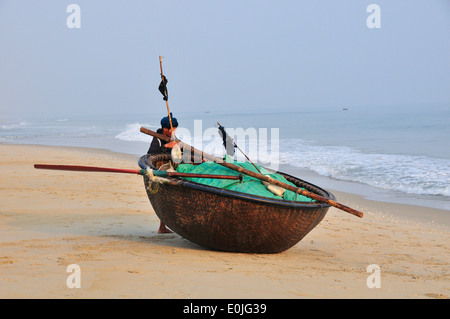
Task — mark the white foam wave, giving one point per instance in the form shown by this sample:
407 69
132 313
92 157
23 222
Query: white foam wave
132 133
13 126
405 173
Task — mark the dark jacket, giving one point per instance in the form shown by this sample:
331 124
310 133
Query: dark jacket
157 145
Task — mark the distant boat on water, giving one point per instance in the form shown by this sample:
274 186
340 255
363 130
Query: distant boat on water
344 109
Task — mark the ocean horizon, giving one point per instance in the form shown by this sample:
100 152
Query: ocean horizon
397 154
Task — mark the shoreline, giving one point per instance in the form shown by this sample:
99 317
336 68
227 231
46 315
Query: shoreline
105 224
368 192
388 207
435 204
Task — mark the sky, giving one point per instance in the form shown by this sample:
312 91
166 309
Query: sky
221 55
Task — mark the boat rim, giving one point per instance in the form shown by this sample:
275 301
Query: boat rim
246 196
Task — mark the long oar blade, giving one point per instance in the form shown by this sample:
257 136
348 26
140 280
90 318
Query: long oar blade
87 168
79 168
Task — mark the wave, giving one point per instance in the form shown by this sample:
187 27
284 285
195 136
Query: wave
13 125
132 133
420 175
406 173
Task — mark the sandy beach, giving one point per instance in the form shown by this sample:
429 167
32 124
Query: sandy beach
104 223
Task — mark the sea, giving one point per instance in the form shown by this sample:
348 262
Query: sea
398 153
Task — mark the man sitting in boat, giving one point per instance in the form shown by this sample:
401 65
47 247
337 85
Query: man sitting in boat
158 147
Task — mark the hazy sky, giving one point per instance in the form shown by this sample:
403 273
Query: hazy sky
236 54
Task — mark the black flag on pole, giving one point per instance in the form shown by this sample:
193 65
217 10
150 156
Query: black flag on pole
227 142
163 88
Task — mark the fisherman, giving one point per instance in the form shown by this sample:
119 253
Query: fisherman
158 147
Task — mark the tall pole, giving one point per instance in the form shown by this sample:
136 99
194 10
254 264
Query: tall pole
167 102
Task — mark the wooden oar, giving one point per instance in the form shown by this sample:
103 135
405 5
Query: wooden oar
259 176
130 171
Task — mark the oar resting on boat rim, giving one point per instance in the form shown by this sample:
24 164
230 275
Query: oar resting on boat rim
258 176
157 173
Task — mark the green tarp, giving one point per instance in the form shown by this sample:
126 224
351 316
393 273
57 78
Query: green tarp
249 185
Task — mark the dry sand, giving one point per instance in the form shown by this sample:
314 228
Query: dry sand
104 223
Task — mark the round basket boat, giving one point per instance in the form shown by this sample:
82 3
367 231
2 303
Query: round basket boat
228 220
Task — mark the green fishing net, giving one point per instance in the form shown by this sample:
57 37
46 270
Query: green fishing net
249 184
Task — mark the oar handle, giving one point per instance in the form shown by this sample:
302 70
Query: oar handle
329 202
159 173
260 176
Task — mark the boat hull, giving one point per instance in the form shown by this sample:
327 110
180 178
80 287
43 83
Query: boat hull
232 221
